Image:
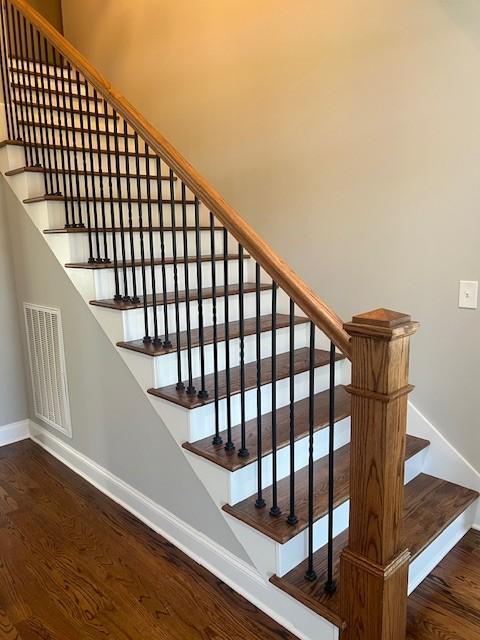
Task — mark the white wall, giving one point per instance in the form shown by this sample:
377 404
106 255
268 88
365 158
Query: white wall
113 423
348 133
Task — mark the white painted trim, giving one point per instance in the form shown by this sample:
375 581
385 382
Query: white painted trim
443 458
430 557
14 432
236 573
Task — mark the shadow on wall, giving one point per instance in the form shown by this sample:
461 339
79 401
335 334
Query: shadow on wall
466 14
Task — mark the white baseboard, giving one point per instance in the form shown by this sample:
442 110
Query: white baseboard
13 432
236 573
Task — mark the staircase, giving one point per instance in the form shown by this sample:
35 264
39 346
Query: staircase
294 422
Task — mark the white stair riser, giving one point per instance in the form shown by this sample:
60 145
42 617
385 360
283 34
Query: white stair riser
438 549
202 419
95 186
273 557
44 84
75 247
45 100
243 483
105 278
227 487
77 138
11 157
165 367
56 216
32 113
134 325
24 66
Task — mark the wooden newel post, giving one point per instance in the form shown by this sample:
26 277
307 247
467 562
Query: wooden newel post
374 566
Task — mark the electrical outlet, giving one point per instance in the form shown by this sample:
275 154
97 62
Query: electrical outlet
468 294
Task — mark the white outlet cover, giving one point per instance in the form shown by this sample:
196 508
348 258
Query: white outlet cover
468 294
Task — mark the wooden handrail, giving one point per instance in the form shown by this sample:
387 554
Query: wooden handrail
313 306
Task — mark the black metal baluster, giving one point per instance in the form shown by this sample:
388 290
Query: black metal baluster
203 393
180 385
166 337
135 297
7 38
146 337
243 451
11 26
275 509
190 388
260 502
83 151
217 439
292 518
330 584
126 296
74 176
42 118
28 110
42 138
26 86
49 116
229 446
65 148
60 166
88 118
7 73
106 259
117 296
156 337
310 574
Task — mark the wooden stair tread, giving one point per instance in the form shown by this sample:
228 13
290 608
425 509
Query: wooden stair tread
233 289
301 364
76 148
117 230
153 350
230 459
431 505
148 263
103 174
278 528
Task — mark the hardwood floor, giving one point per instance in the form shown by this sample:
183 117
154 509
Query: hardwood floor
76 566
446 606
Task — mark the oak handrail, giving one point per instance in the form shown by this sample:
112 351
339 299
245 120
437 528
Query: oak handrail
282 274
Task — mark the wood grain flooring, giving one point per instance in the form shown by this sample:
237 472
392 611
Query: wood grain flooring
76 566
446 606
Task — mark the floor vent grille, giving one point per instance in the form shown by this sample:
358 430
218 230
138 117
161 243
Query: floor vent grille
47 366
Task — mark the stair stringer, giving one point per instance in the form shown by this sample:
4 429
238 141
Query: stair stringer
301 621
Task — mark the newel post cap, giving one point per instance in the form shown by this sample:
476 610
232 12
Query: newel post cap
382 324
